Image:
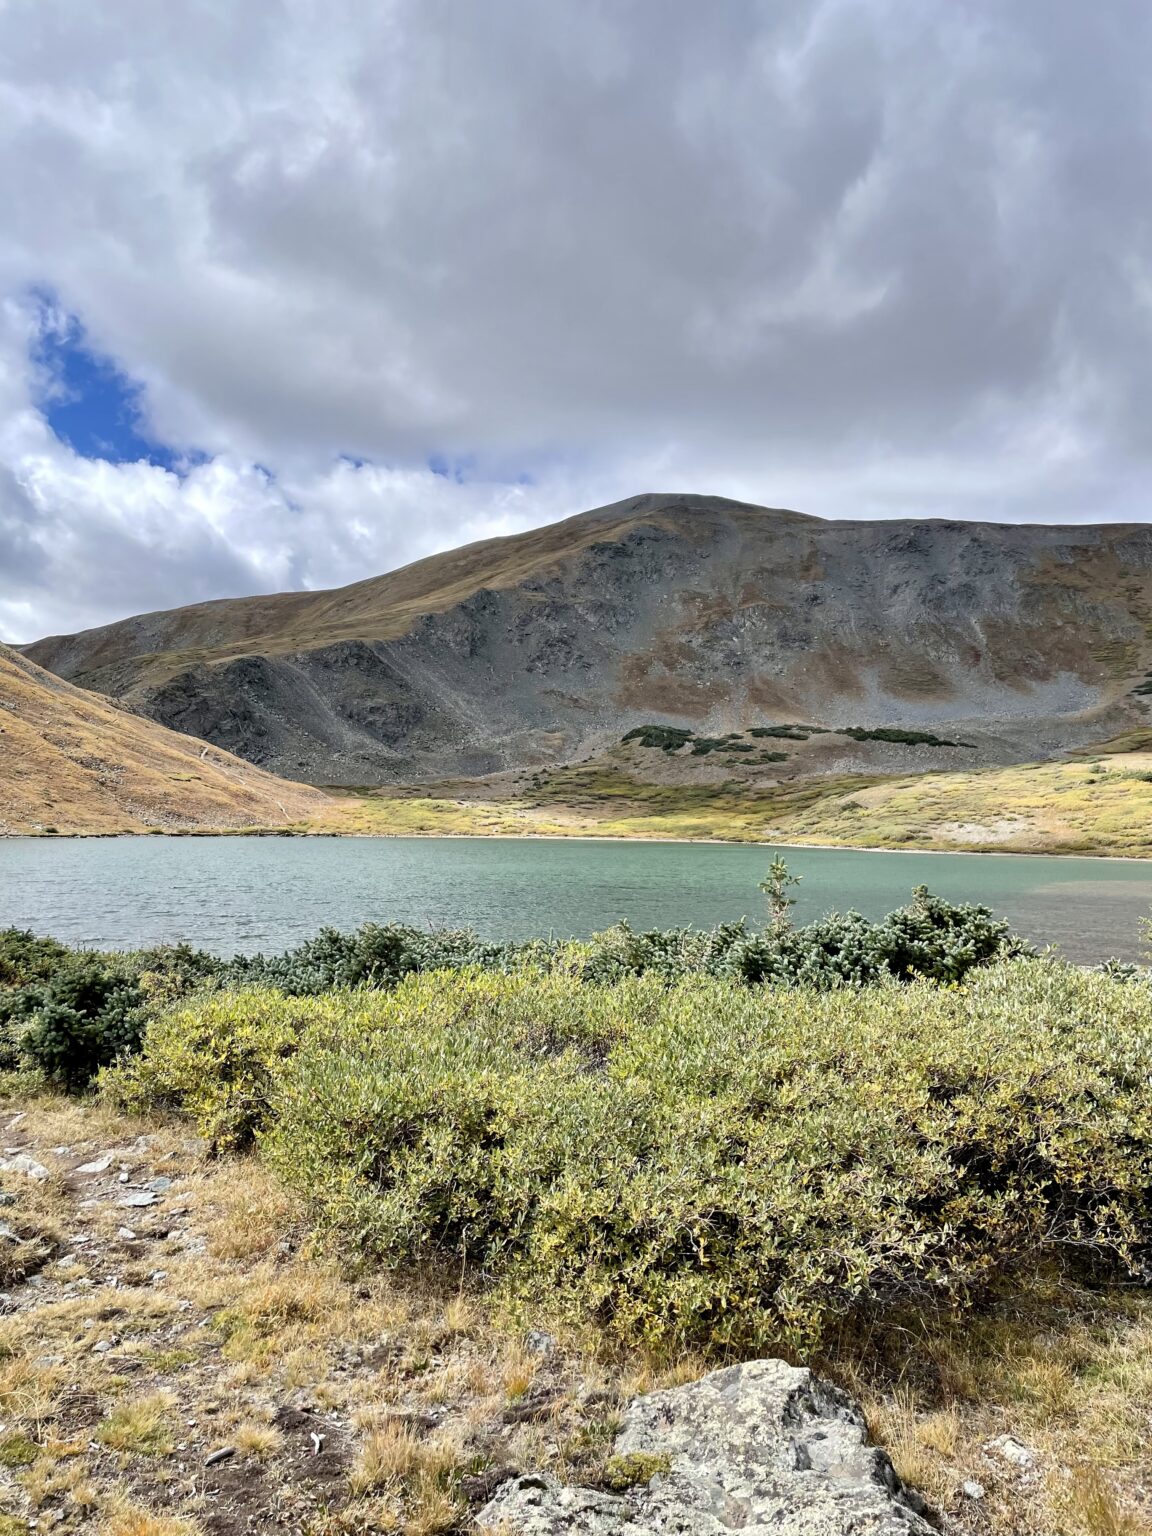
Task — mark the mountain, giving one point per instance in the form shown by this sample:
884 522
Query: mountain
688 610
72 761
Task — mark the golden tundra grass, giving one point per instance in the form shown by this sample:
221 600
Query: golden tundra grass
1066 1372
257 1316
1100 806
75 761
141 1424
126 1519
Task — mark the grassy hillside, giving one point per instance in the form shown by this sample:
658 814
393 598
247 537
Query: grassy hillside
73 761
1100 806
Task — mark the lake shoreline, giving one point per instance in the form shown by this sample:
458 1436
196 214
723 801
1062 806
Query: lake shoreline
225 833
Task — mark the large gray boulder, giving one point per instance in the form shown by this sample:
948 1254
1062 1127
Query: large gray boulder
757 1447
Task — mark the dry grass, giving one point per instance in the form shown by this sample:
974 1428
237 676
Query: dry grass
1091 1508
922 1443
60 1476
519 1373
416 1384
28 1392
260 1440
252 1214
390 1454
141 1426
1065 1372
418 1475
123 1518
76 762
1102 807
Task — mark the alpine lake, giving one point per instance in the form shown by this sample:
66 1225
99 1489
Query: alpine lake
245 894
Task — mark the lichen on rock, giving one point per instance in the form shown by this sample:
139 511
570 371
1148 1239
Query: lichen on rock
764 1446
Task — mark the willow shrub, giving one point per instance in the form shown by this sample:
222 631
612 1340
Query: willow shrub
696 1162
69 1013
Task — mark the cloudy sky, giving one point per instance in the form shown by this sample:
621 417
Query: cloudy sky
294 292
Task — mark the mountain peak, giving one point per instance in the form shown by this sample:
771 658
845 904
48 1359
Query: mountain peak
668 607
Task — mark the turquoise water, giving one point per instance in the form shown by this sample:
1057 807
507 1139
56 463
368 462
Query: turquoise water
252 893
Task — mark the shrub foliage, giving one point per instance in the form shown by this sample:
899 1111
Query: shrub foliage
71 1012
695 1161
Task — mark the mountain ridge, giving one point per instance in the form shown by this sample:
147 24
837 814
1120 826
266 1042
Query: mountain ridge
549 645
618 515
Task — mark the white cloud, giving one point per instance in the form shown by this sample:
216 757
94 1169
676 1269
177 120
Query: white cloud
855 256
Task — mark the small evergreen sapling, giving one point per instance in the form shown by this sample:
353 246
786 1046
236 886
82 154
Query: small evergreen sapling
776 886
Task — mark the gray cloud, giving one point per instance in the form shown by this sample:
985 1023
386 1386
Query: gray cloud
864 257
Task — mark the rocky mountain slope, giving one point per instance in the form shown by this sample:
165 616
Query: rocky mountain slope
71 761
688 610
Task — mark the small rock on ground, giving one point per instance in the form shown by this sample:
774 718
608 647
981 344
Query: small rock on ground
1011 1450
22 1163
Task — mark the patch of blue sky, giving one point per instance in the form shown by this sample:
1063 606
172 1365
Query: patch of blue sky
466 467
459 469
90 402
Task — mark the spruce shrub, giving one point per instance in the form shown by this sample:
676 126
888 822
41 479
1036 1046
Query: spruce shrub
27 957
930 938
670 738
68 1013
376 955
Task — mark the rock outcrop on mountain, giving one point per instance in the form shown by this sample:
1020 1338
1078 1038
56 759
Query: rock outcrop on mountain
763 1447
688 610
71 761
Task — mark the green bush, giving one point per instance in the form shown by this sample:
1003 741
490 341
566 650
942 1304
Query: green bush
216 1059
68 1013
705 1164
69 1047
219 1056
375 956
902 737
26 957
670 953
930 938
670 738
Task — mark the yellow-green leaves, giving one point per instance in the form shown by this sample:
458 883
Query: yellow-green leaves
697 1161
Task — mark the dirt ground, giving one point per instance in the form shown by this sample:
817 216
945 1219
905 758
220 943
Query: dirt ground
174 1360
